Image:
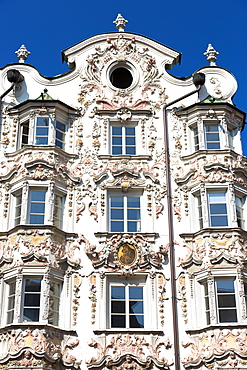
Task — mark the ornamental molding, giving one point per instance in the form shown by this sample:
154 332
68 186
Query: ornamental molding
211 250
223 347
26 347
129 352
125 253
40 246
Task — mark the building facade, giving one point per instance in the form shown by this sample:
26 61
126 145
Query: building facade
123 235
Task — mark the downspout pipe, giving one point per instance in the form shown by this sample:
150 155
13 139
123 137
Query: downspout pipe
14 77
198 80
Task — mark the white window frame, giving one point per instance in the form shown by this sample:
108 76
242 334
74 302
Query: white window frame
19 304
150 299
53 130
25 206
125 196
234 212
198 135
127 315
208 313
123 128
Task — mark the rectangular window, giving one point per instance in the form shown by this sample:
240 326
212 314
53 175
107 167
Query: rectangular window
240 211
199 207
125 214
60 134
212 136
18 203
126 307
217 208
31 299
196 138
42 131
54 303
37 207
206 300
123 140
58 211
11 302
25 133
226 302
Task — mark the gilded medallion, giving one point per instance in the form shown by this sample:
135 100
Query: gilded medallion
126 254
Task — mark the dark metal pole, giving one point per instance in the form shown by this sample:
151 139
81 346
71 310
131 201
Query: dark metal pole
171 229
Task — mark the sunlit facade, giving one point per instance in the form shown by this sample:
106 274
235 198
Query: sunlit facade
123 225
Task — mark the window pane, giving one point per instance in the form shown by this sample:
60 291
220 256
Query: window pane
219 221
116 202
118 306
116 140
32 285
118 292
32 300
117 131
42 121
136 293
130 140
136 321
117 226
136 307
130 150
37 208
31 314
225 286
130 131
37 219
228 316
226 301
38 195
117 214
118 321
133 202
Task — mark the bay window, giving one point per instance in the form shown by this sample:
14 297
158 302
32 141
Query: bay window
33 206
213 208
30 306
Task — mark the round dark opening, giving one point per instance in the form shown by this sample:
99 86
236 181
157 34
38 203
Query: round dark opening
121 78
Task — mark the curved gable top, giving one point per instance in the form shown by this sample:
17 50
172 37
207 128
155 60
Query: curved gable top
70 54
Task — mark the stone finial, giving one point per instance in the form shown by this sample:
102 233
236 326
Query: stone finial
211 54
120 23
22 54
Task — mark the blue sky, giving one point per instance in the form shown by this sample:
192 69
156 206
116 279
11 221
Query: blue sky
47 27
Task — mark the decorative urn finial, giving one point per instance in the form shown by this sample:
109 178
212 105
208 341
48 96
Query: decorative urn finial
120 23
211 54
22 54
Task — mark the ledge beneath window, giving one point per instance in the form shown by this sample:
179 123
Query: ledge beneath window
37 230
202 153
104 236
221 326
211 231
123 156
30 326
129 331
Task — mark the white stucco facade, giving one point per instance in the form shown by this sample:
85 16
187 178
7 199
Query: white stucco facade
85 245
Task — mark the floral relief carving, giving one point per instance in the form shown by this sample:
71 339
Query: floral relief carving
224 347
211 250
27 346
130 352
108 254
18 249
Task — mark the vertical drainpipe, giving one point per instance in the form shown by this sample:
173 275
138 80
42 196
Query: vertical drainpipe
199 80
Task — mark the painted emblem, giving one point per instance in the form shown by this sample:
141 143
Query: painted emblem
126 254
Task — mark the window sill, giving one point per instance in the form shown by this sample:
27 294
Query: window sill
124 156
220 326
128 331
213 230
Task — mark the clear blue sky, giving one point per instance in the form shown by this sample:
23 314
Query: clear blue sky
47 27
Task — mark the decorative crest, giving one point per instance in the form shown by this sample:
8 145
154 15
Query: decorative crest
22 54
120 23
211 54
